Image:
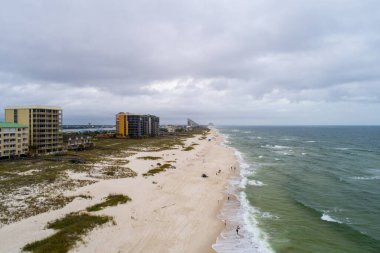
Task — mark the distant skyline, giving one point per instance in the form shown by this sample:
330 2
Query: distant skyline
251 62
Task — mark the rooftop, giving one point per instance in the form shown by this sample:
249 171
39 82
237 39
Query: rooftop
34 107
10 125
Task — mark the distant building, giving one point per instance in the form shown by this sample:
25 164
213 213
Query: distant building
122 125
79 142
13 139
154 123
175 128
136 125
45 126
192 123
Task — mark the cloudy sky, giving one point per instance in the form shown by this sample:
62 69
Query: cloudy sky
223 61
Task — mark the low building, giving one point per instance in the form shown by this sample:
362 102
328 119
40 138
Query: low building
79 142
14 139
175 128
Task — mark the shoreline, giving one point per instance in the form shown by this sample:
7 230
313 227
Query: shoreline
178 213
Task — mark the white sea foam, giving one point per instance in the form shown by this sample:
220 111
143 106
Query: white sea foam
342 148
268 215
366 178
255 183
225 138
275 146
250 239
254 137
327 217
261 156
310 141
244 168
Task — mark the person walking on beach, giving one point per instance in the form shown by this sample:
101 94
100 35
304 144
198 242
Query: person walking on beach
237 229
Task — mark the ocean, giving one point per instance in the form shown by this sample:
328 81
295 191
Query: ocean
304 189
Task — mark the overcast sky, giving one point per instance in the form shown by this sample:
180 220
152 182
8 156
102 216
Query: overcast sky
228 62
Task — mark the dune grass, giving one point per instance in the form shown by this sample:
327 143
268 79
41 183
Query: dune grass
188 148
111 200
36 185
159 169
71 228
149 158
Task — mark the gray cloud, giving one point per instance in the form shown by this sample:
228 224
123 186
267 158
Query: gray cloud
260 61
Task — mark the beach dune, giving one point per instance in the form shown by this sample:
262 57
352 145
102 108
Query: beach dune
173 211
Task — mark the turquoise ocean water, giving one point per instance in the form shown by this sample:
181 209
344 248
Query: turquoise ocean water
305 189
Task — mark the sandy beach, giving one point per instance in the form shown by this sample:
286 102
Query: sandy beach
173 211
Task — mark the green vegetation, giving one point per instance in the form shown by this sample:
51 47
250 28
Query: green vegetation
70 230
116 172
83 196
35 185
111 200
188 148
150 158
159 169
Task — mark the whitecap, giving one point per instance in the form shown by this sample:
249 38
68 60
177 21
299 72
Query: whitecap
366 178
275 146
328 218
255 183
310 141
342 148
268 215
280 147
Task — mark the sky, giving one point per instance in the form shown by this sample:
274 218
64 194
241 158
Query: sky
230 62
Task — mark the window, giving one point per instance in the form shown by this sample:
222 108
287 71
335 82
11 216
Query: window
15 117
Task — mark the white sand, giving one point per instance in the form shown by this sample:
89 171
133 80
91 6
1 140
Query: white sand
178 214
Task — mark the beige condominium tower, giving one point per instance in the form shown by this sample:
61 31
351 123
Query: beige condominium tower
45 126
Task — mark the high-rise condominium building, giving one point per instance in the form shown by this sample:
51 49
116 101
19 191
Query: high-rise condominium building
45 126
136 126
13 139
